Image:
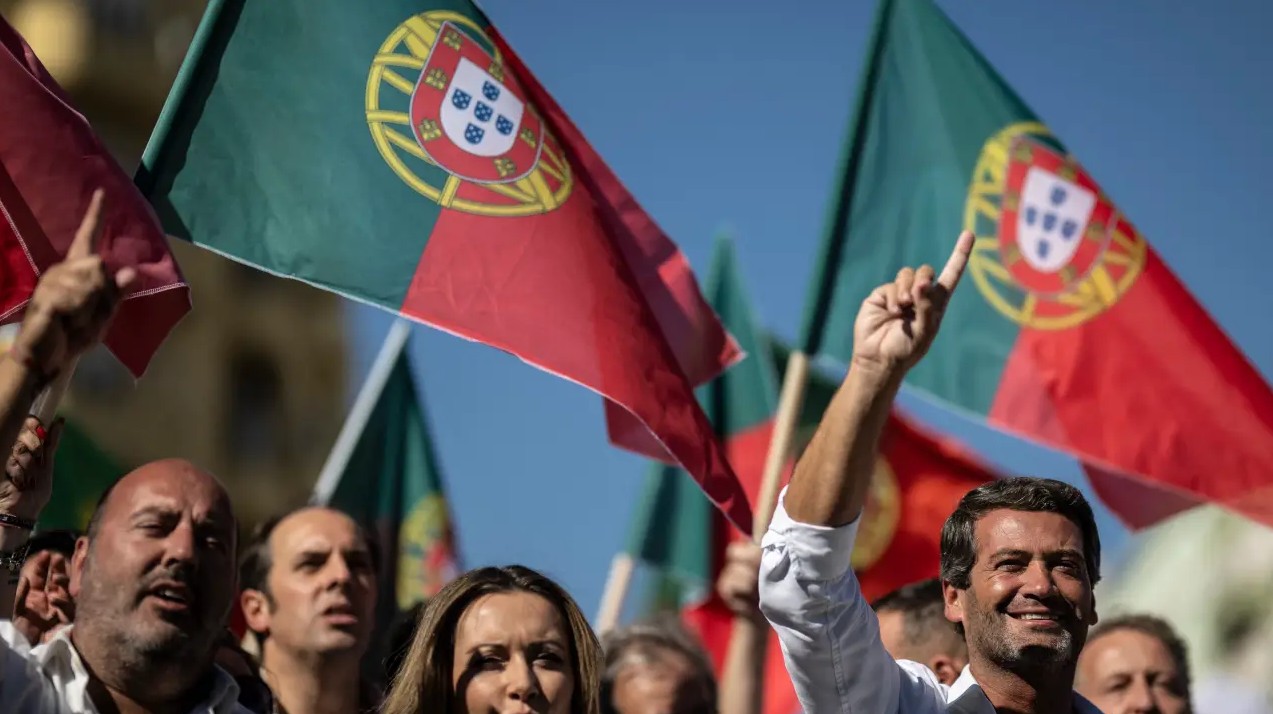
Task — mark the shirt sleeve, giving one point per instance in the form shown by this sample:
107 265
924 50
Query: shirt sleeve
23 687
829 634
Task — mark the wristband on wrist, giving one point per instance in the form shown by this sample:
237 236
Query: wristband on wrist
9 520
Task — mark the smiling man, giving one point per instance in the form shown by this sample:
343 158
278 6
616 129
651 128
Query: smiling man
309 594
1019 557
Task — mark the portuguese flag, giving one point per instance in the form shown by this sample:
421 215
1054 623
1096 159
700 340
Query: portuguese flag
51 162
1069 329
399 153
384 473
918 481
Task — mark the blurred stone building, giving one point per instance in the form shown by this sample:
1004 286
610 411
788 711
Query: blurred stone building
252 383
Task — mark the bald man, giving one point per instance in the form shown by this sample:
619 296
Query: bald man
309 594
153 577
153 580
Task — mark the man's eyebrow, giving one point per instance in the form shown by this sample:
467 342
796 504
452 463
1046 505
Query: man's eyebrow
1010 553
152 510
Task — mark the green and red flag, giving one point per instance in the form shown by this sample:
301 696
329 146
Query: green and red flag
384 473
401 154
51 162
917 483
1069 330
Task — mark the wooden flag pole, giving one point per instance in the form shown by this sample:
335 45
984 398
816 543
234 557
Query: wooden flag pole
742 677
372 386
616 592
790 402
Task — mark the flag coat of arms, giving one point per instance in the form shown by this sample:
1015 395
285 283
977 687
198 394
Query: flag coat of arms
1069 329
399 153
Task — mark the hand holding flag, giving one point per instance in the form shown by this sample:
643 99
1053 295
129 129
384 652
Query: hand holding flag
898 320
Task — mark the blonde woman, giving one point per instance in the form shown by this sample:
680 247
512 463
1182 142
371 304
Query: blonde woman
497 640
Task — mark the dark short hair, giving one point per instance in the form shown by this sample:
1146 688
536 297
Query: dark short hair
59 541
923 610
255 558
645 641
1040 495
1154 627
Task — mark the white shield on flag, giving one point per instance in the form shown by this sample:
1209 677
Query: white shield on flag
479 114
1053 216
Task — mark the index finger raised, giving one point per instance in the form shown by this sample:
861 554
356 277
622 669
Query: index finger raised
958 261
85 243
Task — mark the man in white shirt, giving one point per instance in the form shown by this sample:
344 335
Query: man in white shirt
1019 556
154 577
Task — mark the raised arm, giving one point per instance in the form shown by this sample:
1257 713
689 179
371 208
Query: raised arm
808 591
893 331
68 314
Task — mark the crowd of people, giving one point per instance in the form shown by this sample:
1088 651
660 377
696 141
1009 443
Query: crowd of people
131 615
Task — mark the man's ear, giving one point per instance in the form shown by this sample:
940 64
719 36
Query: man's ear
256 610
1091 618
953 597
945 669
77 567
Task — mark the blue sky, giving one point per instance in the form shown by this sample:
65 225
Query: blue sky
733 118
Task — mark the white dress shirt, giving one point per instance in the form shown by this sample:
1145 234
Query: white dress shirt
51 679
831 638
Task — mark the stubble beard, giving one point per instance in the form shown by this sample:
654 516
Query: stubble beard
993 639
138 643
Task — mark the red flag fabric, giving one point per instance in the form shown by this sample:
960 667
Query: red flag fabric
670 427
51 161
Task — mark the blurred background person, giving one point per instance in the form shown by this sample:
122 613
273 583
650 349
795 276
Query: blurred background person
1135 664
913 626
308 593
656 667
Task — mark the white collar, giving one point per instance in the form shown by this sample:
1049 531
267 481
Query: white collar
59 653
966 680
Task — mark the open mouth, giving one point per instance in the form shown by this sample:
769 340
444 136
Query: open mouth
173 597
1037 619
341 615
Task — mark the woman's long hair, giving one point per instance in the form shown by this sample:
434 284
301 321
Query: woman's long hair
424 683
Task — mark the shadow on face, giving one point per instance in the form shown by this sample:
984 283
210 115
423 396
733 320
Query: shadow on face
512 652
155 576
1127 672
322 586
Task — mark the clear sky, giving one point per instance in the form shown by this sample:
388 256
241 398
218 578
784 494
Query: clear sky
731 115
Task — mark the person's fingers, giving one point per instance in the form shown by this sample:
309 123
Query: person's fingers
85 242
924 278
902 286
957 262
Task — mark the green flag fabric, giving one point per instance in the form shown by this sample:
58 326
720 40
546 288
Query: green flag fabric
391 484
81 474
1068 328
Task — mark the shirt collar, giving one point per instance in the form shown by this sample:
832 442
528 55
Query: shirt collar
59 658
966 680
